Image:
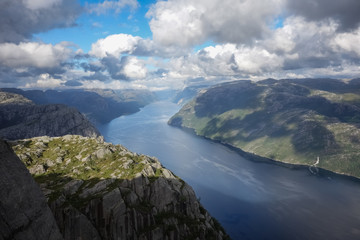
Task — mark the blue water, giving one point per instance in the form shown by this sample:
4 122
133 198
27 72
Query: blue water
251 200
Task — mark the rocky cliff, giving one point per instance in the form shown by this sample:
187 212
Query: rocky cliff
21 118
97 190
98 105
296 121
24 213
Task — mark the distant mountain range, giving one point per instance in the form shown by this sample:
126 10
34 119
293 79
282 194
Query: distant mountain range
291 120
99 105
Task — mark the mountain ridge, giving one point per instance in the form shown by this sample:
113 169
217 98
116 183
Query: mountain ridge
291 121
21 118
98 105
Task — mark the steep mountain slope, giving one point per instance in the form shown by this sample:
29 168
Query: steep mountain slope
24 213
99 106
187 94
293 121
97 190
21 118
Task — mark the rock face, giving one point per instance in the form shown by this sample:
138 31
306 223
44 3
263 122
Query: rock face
97 190
20 118
99 106
292 121
24 213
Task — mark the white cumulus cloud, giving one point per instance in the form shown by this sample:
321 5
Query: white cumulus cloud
134 68
191 22
349 42
115 45
33 54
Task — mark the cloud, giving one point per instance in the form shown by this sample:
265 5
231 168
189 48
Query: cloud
45 81
116 6
127 68
73 83
31 64
305 44
299 48
191 22
226 60
19 19
345 12
256 61
133 68
33 54
348 42
98 76
118 44
114 45
40 4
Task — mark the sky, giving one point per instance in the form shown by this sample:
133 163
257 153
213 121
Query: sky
159 45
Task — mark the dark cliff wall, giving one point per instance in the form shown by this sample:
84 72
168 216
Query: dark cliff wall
24 213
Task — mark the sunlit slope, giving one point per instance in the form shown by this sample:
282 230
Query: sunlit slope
293 121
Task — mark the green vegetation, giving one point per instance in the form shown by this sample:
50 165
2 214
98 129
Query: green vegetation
292 121
55 162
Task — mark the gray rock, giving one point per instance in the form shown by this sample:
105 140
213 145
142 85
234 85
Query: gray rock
49 163
98 187
101 153
72 186
24 212
37 169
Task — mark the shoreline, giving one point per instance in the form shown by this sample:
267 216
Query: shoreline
322 172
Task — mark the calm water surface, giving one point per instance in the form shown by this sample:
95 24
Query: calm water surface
251 200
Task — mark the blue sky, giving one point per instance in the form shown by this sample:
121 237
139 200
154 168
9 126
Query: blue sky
90 27
175 43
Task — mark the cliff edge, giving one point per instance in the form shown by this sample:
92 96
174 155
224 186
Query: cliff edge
97 190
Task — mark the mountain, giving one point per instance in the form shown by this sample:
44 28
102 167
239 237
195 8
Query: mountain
187 94
99 105
97 190
292 121
24 213
21 118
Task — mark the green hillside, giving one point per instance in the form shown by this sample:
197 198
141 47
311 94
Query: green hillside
292 121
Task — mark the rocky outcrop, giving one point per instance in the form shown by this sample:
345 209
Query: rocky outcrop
97 190
20 118
24 213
